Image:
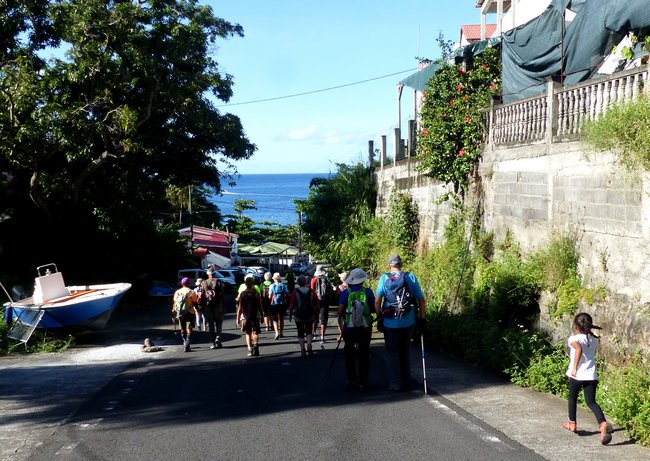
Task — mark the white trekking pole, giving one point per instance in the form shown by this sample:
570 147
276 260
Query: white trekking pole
424 368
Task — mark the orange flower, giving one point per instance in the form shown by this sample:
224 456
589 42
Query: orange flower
424 132
461 153
467 119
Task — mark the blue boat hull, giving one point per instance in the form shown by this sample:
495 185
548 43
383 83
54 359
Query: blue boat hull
79 314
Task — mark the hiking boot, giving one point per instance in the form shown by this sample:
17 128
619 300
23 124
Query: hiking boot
303 353
249 353
218 344
570 426
277 336
212 346
256 351
187 346
322 344
605 432
310 352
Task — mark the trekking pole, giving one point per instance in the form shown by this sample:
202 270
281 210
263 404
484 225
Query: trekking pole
329 373
424 368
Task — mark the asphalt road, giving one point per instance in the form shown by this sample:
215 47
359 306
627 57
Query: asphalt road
107 400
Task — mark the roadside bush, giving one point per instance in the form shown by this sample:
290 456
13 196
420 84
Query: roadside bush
545 371
624 394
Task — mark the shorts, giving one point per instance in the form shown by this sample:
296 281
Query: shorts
278 309
266 304
187 320
252 325
324 315
304 328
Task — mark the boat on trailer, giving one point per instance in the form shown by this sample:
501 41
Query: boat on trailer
54 305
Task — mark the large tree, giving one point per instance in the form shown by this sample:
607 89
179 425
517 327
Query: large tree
108 104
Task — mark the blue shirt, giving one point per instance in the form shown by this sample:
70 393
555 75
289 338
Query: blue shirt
370 298
278 290
414 286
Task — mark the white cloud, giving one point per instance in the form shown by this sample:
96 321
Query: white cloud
301 134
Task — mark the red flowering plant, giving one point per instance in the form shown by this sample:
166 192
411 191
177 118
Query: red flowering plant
452 129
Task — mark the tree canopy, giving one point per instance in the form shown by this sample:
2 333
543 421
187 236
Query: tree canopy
109 103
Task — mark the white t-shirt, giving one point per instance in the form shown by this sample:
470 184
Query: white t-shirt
587 361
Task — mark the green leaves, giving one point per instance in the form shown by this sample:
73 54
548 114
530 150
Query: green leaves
452 126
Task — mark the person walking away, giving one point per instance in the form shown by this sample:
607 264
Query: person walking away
214 304
249 310
266 301
290 278
354 314
278 295
582 374
400 302
304 306
337 295
184 312
200 308
325 292
242 286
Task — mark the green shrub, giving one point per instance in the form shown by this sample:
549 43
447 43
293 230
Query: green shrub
624 394
545 372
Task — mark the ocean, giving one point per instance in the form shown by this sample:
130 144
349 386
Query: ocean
273 195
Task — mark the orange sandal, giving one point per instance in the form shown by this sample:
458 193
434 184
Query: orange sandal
570 426
605 432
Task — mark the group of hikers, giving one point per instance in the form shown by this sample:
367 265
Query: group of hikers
397 306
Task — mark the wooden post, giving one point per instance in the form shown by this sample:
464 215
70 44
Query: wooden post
371 159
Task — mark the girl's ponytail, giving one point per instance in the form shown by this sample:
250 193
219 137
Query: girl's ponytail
585 325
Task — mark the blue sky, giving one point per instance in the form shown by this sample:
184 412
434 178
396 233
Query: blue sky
299 46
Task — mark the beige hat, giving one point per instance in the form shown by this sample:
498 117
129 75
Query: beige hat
198 282
319 271
343 276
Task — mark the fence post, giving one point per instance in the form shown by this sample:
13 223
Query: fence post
371 159
383 151
412 138
397 141
552 106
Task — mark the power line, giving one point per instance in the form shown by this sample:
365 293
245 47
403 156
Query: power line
316 91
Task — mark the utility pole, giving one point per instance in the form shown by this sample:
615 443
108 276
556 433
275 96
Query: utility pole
299 234
189 209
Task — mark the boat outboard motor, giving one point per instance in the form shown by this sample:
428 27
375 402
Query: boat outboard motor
18 292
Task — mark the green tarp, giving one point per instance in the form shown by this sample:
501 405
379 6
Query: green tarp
547 46
268 249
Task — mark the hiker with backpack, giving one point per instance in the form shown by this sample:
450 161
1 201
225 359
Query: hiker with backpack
278 294
183 310
325 292
337 295
354 315
214 305
401 305
304 306
266 301
249 310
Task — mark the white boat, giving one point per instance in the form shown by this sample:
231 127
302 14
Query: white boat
55 305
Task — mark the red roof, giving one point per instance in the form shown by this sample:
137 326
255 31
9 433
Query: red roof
208 238
472 32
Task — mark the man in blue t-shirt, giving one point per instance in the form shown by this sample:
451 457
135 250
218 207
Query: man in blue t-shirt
399 320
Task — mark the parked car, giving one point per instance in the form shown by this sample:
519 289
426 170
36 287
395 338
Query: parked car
236 274
298 268
281 268
199 272
259 269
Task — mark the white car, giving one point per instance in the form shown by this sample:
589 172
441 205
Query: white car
194 274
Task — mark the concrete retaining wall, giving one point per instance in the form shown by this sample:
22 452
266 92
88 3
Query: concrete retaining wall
534 191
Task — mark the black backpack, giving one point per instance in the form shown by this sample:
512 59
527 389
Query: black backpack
398 295
250 304
304 309
211 293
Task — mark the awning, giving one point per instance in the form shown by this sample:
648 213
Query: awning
206 237
418 81
268 249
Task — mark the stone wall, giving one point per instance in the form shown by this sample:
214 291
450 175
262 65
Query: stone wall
537 190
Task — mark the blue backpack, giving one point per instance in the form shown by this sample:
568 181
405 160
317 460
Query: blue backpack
398 295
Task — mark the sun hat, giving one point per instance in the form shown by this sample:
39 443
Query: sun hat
357 276
319 271
267 276
248 276
185 282
277 276
343 276
209 271
198 282
394 260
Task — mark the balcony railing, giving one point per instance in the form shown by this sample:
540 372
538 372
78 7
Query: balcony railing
560 113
